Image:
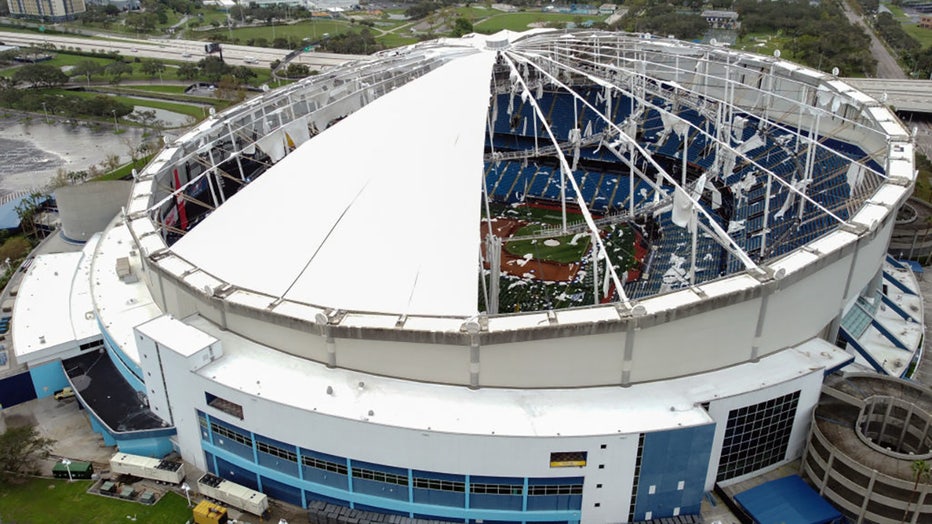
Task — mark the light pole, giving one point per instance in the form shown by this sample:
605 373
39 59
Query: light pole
67 464
187 492
115 125
46 111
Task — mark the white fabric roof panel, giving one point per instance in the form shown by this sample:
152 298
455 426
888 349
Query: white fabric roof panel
378 213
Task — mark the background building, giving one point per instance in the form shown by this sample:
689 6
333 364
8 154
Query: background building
51 10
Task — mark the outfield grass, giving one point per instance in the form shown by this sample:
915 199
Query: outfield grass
564 253
44 501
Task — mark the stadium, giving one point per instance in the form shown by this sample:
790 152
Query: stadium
527 277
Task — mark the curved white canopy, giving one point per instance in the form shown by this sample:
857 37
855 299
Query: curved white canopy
380 212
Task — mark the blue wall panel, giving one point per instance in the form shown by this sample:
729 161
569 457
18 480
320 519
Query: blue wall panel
209 458
386 497
327 478
48 378
508 502
440 498
155 447
16 390
234 473
380 489
113 349
98 427
669 459
311 497
281 491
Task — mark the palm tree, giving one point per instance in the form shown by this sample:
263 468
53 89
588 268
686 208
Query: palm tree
921 471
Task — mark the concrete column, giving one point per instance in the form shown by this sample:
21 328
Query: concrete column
867 496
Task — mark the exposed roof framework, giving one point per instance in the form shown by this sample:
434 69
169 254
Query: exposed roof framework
810 113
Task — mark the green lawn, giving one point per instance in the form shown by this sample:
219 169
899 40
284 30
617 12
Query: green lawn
522 21
125 170
156 88
312 29
897 11
924 36
396 39
43 501
766 44
563 252
194 111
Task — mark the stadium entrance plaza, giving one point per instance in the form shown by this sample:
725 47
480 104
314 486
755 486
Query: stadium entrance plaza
65 422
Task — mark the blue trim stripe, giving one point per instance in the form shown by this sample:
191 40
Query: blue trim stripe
897 284
888 334
861 351
896 309
391 504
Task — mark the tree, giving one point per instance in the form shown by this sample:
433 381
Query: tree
921 472
15 248
152 67
461 27
20 448
187 71
212 68
87 69
141 22
117 69
39 75
297 71
243 74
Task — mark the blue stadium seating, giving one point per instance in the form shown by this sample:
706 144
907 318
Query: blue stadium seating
605 186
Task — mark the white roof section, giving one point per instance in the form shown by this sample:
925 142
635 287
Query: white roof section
350 219
182 338
257 370
121 306
53 311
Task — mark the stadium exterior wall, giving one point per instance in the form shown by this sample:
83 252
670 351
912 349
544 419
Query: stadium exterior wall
608 476
824 280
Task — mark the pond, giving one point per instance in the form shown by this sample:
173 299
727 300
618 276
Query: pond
32 151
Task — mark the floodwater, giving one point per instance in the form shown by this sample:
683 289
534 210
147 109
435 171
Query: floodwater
170 119
32 152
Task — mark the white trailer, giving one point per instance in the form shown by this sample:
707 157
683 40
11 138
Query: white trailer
233 494
147 468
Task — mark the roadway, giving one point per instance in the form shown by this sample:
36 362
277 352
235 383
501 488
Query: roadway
887 66
178 50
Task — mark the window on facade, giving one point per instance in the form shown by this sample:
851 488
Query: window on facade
568 459
91 345
757 436
637 477
496 489
235 436
564 489
439 485
380 476
276 451
224 405
325 465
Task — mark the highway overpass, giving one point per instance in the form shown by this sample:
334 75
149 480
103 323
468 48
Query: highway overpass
902 95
